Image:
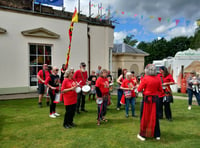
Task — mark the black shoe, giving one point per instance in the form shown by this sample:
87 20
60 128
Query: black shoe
40 105
134 116
83 110
161 118
170 119
66 126
78 112
73 125
47 103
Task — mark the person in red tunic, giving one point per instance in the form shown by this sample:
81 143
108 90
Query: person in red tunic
120 91
81 77
42 75
151 86
102 91
70 98
128 86
53 82
167 80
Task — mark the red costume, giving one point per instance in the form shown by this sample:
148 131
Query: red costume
81 77
69 97
151 87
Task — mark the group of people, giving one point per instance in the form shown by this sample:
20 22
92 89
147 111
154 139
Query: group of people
74 101
157 94
155 88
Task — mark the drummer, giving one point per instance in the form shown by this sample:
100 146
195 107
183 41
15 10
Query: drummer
92 81
102 88
80 76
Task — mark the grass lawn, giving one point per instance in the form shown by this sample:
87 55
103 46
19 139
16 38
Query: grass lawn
180 94
24 125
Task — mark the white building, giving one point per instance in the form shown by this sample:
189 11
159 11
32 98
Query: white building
180 65
29 39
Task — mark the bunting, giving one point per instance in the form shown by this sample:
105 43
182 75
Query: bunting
74 20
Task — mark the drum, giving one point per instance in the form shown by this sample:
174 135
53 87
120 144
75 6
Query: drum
57 98
99 100
93 89
78 90
110 87
86 89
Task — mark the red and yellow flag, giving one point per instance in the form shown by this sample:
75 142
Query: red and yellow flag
74 20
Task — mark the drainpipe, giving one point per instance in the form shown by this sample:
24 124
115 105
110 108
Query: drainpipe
89 51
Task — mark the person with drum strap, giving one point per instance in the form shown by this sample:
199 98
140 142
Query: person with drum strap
70 98
102 90
80 76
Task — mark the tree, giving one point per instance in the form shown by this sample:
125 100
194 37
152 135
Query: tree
195 41
160 49
130 41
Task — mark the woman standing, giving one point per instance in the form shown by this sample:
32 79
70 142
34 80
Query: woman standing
151 86
102 90
53 82
120 91
92 81
70 98
168 98
128 85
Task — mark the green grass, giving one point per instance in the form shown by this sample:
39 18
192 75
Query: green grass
24 125
180 94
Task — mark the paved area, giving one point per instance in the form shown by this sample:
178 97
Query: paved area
34 95
18 96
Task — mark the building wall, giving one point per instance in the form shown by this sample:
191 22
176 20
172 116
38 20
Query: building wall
101 40
127 61
14 47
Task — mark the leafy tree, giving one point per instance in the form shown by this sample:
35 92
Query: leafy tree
130 41
160 49
195 41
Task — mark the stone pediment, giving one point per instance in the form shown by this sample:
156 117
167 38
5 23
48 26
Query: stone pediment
40 32
2 30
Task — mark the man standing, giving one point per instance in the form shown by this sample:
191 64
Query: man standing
81 77
41 76
98 71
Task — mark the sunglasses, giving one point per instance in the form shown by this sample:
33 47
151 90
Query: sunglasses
57 69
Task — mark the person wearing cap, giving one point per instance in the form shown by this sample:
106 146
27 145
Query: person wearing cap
53 82
166 80
42 76
193 88
81 76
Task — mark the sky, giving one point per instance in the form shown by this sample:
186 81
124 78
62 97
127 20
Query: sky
140 17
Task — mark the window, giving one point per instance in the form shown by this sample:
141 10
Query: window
39 54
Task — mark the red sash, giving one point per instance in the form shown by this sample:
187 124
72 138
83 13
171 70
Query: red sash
148 121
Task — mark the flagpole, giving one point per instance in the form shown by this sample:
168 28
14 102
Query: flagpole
79 7
33 5
89 8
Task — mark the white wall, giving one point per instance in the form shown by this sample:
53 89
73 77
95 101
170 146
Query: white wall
14 47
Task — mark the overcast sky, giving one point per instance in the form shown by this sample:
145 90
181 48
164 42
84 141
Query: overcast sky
144 28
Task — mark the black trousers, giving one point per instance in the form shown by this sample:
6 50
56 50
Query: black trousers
69 114
80 101
157 126
52 105
102 109
167 109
